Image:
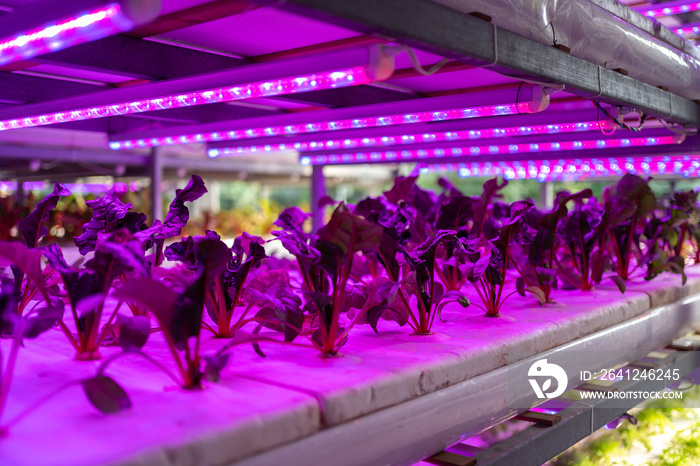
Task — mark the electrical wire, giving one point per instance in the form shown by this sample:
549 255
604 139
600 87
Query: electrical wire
517 97
618 122
668 126
418 67
612 131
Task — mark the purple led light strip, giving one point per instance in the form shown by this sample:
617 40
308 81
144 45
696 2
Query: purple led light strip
92 188
352 143
673 9
292 85
573 169
418 154
51 37
336 125
687 29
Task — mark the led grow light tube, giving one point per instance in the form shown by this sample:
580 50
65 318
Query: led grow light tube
26 185
418 154
25 34
670 8
302 74
530 100
428 137
687 29
85 188
313 82
371 122
573 169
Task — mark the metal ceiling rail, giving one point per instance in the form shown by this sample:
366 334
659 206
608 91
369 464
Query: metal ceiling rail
421 427
441 30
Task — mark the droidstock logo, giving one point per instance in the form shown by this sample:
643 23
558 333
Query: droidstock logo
542 370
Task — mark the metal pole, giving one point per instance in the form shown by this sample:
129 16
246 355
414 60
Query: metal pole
318 190
156 174
547 195
20 195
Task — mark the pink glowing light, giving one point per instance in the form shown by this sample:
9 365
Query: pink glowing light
336 125
293 85
98 188
27 185
674 9
418 154
352 143
84 27
84 188
687 30
573 169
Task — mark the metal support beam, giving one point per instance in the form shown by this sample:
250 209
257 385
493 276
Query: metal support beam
546 195
318 190
136 58
231 165
20 194
444 31
20 88
349 96
156 175
193 16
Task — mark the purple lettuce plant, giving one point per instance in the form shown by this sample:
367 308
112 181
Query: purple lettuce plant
29 326
230 291
583 257
470 217
628 204
179 311
28 276
488 260
102 391
117 254
419 282
534 252
410 267
111 214
327 262
302 246
669 234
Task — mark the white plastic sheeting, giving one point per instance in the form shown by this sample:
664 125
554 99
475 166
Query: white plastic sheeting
595 35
